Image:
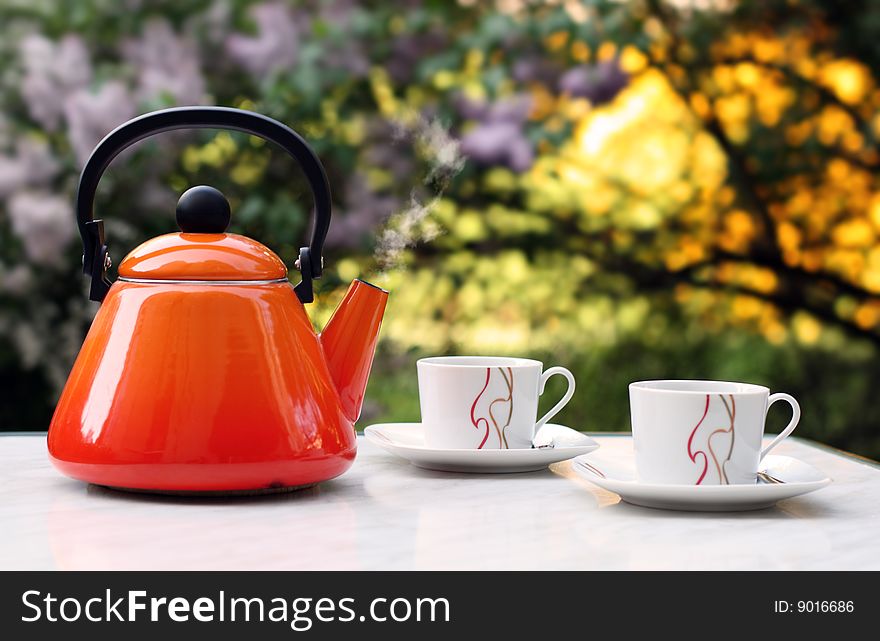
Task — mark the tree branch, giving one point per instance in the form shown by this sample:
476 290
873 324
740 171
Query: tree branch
650 279
827 96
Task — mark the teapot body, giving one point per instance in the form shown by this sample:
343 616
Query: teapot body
201 371
201 387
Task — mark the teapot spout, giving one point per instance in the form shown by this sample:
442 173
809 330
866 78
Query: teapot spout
349 343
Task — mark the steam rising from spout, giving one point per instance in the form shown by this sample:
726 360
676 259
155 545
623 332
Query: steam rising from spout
441 152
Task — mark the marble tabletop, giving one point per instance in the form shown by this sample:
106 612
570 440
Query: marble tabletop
387 514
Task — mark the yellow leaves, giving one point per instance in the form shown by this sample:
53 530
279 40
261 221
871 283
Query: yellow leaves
811 260
514 266
764 281
641 216
834 122
747 75
444 211
707 164
846 262
771 98
738 231
632 61
739 44
848 79
807 329
853 234
348 269
600 201
874 211
681 191
606 51
773 330
746 307
871 275
383 94
771 102
724 78
212 154
799 204
246 104
867 315
700 105
444 79
329 112
758 279
656 160
725 196
580 51
763 316
739 223
806 67
797 133
768 49
468 226
506 222
838 169
688 251
249 170
788 236
352 130
483 303
500 180
556 40
734 111
574 109
653 28
473 61
544 103
639 135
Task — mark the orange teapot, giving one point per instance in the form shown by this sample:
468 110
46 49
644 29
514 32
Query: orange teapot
201 371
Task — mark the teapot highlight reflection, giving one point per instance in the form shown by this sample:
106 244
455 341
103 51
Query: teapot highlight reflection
201 371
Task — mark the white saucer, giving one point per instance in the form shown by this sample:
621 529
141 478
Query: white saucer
618 476
406 440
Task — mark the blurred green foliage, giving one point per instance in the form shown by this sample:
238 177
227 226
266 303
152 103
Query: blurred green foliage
630 189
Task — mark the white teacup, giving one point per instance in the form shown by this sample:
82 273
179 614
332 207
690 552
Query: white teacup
484 402
702 432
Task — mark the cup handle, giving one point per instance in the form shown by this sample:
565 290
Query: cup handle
795 417
565 397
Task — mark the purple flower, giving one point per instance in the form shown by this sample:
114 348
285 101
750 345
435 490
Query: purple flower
499 143
166 64
17 280
513 110
51 73
276 45
32 164
409 49
499 138
44 223
90 116
599 83
534 68
364 211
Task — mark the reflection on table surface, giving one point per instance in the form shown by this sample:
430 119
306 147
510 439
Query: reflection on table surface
387 514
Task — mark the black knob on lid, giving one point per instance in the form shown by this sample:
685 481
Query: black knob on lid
203 210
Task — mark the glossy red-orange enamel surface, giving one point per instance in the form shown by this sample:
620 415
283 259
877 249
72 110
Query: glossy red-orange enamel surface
182 256
349 342
202 388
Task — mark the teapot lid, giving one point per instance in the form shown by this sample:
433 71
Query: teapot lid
202 250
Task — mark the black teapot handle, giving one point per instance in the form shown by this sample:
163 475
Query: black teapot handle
95 258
